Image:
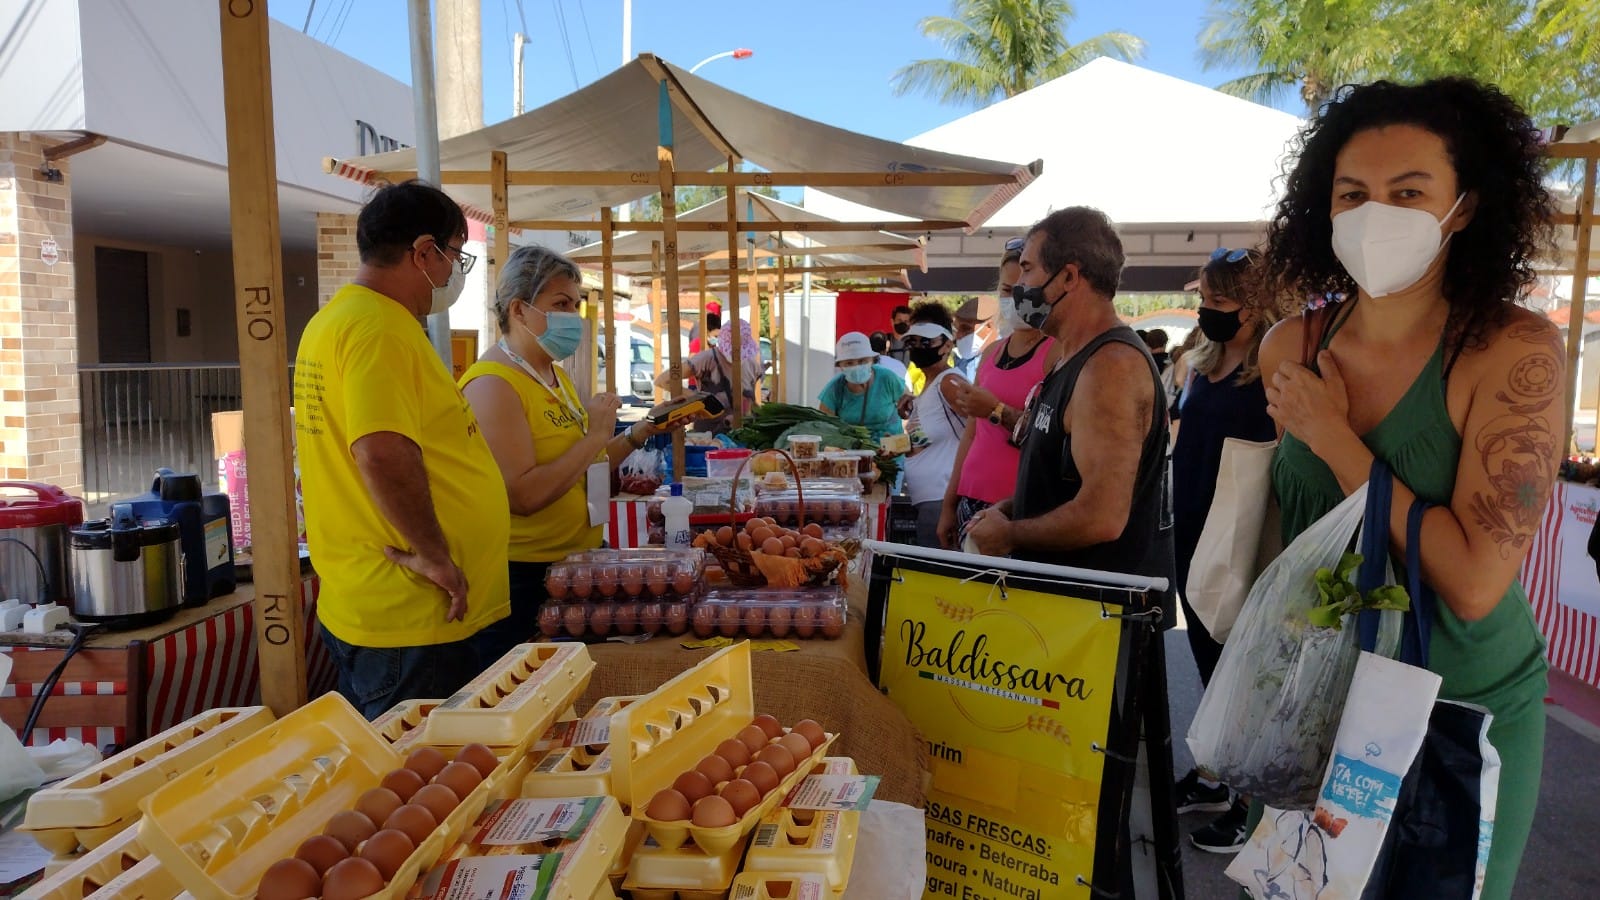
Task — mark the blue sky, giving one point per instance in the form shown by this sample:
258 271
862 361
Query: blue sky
830 60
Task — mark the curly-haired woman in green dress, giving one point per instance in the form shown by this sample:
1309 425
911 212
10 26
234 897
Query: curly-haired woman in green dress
1424 207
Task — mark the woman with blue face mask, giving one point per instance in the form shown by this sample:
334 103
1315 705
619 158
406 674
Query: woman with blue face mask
549 442
863 393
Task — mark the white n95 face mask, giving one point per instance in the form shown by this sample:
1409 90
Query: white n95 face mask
1387 248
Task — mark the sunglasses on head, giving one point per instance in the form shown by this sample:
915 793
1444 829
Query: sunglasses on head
1230 256
1015 244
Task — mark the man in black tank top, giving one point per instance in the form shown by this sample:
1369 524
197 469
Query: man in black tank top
1092 487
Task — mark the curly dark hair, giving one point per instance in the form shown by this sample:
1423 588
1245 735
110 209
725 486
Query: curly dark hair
1497 153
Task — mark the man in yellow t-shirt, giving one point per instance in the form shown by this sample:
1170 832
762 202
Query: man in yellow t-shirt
406 512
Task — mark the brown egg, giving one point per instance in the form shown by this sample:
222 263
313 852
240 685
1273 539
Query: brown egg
705 620
668 805
461 778
715 768
693 785
769 520
656 579
426 761
832 622
812 529
812 731
606 580
811 547
762 534
792 553
414 820
762 775
729 620
677 618
582 582
734 751
632 579
290 879
797 744
352 880
779 758
790 541
626 618
479 757
683 582
652 616
379 803
752 525
713 812
350 828
741 795
600 620
437 799
805 621
755 622
753 737
769 726
772 547
778 620
746 543
550 621
321 851
404 783
388 850
576 619
556 582
725 536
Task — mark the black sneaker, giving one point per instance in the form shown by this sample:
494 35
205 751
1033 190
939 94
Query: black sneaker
1226 834
1192 796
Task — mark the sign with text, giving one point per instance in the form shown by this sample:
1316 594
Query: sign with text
1013 691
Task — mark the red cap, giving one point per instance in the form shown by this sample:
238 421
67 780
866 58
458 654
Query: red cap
49 505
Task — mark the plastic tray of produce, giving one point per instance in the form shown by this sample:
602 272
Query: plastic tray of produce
602 619
772 612
640 578
516 698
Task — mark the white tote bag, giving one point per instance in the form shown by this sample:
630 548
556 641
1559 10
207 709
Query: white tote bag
1240 537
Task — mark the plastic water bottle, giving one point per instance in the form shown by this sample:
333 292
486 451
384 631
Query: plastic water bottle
676 509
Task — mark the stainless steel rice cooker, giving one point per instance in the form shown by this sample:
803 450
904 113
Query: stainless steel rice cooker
34 519
126 572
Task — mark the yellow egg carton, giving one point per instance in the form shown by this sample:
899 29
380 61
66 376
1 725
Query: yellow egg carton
682 873
656 739
402 723
518 696
577 759
619 868
99 803
781 886
791 840
218 827
586 860
118 868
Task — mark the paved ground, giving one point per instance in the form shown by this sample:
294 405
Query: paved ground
1560 862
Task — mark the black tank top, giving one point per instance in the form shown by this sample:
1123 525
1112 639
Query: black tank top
1048 478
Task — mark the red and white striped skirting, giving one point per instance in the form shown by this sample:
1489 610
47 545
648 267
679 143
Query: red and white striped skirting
1573 634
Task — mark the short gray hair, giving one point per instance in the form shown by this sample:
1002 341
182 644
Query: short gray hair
525 275
1082 235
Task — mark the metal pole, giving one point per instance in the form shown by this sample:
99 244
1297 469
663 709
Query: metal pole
425 115
627 31
517 40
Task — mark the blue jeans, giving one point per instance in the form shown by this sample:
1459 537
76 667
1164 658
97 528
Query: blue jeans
521 625
374 679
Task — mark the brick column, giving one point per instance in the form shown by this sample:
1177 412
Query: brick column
40 430
337 257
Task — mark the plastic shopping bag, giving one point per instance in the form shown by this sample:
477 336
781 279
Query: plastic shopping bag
1329 852
641 472
1266 723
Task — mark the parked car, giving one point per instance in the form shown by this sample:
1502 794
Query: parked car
639 389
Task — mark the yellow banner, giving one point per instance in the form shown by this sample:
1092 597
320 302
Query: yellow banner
1010 693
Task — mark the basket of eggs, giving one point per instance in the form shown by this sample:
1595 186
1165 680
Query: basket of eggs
761 552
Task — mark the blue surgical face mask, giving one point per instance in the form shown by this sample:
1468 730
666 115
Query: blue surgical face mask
858 374
563 332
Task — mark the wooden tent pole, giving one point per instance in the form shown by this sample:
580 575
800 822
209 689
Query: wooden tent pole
730 312
1580 284
780 344
501 248
608 301
263 352
669 261
658 350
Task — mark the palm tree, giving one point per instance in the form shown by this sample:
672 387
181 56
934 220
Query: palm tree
1308 46
1000 48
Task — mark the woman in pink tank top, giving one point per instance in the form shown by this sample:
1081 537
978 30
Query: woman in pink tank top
986 463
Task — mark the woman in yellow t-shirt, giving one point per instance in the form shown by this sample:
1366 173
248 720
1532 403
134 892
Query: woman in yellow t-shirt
547 441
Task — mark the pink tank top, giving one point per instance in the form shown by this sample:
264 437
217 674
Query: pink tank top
989 472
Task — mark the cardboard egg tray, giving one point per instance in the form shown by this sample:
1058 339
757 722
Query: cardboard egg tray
784 885
577 760
658 738
518 696
657 872
118 868
99 803
586 860
218 827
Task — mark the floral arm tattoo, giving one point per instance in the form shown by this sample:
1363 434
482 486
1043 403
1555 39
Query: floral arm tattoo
1519 448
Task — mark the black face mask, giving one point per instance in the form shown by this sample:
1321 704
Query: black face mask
902 327
1030 304
924 357
1220 326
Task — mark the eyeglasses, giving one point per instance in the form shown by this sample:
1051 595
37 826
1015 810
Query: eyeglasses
463 260
1015 244
1230 256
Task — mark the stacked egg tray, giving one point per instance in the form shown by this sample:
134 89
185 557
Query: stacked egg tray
95 805
585 861
782 613
118 869
574 758
840 512
598 593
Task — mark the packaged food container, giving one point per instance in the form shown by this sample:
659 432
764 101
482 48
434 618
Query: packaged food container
571 619
805 446
725 463
896 443
606 575
772 612
826 508
841 464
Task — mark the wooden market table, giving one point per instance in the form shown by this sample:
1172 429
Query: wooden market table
124 686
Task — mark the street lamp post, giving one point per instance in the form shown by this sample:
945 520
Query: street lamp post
741 53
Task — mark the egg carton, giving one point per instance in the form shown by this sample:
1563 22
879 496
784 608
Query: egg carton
665 734
575 760
585 861
118 868
656 872
564 618
98 803
790 840
772 612
781 886
218 827
518 696
661 577
828 509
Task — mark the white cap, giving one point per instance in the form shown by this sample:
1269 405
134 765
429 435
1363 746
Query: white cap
929 330
853 345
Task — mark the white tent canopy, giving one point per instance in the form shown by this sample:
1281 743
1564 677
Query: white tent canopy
1181 168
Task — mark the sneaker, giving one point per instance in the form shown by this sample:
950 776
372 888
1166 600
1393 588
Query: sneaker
1192 796
1226 834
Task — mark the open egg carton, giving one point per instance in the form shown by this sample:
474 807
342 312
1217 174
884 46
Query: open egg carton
574 758
814 612
588 850
817 843
514 700
118 869
220 827
99 803
677 728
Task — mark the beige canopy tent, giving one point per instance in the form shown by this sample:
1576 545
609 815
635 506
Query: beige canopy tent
1577 247
564 165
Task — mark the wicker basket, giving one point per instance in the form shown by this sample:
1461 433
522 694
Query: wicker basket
736 562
